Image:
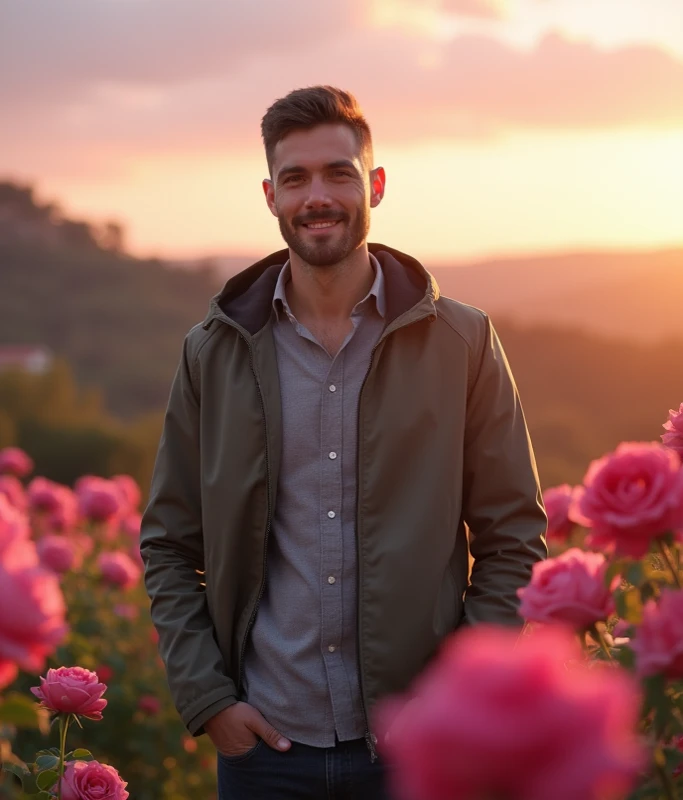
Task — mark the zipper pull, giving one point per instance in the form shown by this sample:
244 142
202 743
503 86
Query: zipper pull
371 741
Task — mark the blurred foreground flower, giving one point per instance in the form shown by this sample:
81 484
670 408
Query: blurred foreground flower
118 569
72 690
90 780
13 489
631 497
673 437
59 553
489 719
569 589
557 501
14 461
658 643
33 619
53 500
99 499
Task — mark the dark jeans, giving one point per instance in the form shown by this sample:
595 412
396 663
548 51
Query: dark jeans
343 772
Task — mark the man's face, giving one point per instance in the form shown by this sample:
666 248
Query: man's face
321 193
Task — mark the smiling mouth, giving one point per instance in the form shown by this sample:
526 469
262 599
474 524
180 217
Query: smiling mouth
318 226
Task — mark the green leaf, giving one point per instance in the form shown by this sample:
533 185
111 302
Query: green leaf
626 657
15 769
81 754
629 605
18 710
47 779
47 762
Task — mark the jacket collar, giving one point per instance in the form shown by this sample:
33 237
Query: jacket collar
246 299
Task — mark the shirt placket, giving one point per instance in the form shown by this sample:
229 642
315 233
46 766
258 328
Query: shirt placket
331 546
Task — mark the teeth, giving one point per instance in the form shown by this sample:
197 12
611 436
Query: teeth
321 224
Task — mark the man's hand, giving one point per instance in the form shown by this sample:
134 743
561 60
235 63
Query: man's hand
237 729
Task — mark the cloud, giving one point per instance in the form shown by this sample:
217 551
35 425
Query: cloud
485 9
58 51
96 83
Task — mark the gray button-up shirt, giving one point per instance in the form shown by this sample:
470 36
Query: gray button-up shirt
301 661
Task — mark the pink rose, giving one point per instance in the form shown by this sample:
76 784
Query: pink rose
54 500
72 690
13 490
130 525
59 553
497 715
14 524
673 437
569 589
118 569
90 780
631 497
33 619
149 704
129 492
14 461
557 501
99 499
104 672
658 640
126 611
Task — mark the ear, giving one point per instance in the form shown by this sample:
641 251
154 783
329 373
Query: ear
269 192
378 180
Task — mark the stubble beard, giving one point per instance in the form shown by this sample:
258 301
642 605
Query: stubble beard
327 254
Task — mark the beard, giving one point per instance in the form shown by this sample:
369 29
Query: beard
336 247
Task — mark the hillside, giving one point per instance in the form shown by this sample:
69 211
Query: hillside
120 322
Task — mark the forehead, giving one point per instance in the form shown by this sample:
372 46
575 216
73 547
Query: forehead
314 147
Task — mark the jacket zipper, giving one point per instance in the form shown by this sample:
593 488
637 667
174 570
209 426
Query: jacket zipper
268 524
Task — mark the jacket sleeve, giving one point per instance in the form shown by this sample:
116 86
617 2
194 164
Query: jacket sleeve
503 506
172 550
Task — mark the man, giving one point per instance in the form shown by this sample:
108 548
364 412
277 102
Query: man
339 441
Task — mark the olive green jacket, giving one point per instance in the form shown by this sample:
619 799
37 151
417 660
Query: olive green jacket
445 470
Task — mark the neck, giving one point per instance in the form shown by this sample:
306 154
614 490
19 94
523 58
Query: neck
329 293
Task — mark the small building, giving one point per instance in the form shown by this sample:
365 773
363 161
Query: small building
35 359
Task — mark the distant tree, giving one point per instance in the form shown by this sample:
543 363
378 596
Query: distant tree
113 237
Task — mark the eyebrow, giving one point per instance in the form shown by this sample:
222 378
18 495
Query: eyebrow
295 169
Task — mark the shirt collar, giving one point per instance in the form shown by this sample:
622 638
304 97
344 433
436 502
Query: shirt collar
377 290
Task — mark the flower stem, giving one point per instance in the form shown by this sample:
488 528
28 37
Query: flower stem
669 792
64 720
666 555
601 641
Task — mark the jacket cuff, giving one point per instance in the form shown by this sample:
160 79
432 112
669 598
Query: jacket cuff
209 706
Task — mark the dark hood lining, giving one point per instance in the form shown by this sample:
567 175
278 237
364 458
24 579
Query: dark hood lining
247 298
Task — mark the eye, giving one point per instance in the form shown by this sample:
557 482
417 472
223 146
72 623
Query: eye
342 173
293 178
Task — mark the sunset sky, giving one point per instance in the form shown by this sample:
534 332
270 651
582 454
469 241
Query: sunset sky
504 127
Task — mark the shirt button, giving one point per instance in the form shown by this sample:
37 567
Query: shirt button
333 388
333 455
331 648
331 514
331 579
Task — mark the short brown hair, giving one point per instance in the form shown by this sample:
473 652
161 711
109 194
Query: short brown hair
306 108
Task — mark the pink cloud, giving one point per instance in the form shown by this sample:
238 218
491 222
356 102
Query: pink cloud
485 9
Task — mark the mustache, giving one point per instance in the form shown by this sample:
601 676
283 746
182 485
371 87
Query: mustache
319 216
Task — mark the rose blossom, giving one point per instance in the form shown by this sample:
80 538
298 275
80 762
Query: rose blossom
569 589
59 553
118 569
57 502
14 461
497 715
557 501
72 690
13 490
90 780
130 525
630 497
149 704
14 524
658 640
33 619
673 437
99 499
129 492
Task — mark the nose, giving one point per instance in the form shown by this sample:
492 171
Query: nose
318 195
